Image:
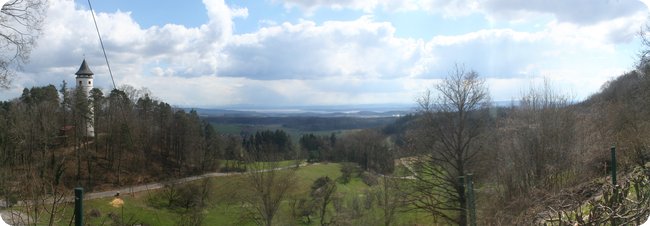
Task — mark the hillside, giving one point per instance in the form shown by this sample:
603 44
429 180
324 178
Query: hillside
619 115
543 157
548 156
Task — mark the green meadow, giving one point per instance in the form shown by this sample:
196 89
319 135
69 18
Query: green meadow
224 208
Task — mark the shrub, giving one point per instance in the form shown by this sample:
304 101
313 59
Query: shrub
369 179
94 213
347 169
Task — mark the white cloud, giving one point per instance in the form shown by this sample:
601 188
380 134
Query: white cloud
301 63
311 5
448 8
581 12
362 48
239 12
492 53
69 34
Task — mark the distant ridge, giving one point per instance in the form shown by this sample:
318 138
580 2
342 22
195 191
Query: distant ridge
363 110
307 111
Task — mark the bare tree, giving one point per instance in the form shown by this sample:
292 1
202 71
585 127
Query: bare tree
545 135
20 26
538 147
644 53
322 191
451 125
390 198
267 186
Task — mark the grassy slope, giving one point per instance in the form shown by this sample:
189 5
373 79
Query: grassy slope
225 210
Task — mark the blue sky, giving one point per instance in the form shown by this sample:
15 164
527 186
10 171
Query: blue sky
214 53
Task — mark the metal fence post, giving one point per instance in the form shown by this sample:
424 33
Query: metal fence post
78 206
471 202
613 150
461 182
614 189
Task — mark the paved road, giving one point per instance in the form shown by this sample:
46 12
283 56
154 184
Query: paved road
408 166
18 218
158 185
13 217
150 186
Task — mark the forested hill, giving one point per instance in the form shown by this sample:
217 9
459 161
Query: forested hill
616 116
138 139
546 155
631 87
543 157
309 123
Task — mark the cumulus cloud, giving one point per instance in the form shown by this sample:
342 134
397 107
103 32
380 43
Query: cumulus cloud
362 48
446 7
497 49
310 5
578 12
582 12
306 62
69 34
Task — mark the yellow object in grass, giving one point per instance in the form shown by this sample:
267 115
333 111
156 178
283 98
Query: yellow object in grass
117 202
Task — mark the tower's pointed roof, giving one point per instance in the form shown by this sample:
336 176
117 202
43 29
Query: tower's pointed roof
84 70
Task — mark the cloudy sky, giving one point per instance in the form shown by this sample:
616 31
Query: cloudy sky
215 53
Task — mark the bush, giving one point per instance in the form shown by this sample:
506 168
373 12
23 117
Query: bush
182 197
302 209
94 213
347 170
370 198
355 209
369 179
231 169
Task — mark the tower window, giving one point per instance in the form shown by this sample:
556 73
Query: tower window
79 82
88 82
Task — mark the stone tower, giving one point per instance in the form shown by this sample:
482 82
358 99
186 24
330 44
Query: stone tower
85 83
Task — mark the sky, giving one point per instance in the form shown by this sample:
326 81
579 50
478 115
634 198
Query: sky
216 53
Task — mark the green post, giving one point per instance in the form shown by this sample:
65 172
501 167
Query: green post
614 190
461 182
78 206
613 165
471 202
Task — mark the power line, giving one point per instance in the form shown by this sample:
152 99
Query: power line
102 43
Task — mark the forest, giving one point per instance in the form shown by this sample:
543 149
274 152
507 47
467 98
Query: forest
541 160
457 159
137 140
308 123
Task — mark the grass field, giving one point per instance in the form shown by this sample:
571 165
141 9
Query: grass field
224 209
264 165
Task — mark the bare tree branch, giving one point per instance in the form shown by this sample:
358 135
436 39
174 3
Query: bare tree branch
450 125
20 26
